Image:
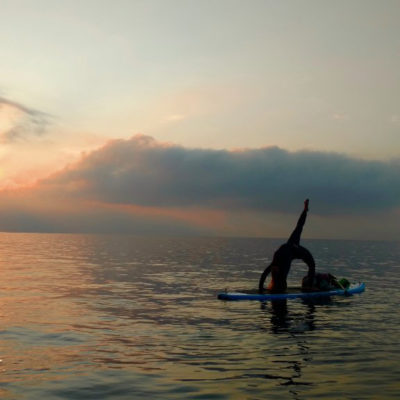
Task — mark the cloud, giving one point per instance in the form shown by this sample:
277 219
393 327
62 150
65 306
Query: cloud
143 186
27 211
21 121
142 171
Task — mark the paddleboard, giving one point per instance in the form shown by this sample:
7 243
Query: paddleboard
358 287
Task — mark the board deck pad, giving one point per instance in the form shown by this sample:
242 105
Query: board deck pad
292 293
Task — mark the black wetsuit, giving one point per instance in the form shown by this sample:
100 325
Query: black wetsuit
284 256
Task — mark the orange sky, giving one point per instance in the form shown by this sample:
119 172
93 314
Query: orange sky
203 76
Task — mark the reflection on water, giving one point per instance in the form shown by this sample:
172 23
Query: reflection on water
120 317
282 321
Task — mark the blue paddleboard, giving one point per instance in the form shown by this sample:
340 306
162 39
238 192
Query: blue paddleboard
353 288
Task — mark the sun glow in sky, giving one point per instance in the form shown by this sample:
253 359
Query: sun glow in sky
203 77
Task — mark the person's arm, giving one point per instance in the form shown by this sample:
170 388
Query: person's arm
304 255
263 278
311 271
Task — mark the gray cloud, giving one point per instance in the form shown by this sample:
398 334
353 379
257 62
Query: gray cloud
142 171
31 122
15 218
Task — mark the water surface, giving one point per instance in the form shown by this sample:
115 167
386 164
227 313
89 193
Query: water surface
122 317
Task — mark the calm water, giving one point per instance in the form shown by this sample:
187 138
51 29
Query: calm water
120 317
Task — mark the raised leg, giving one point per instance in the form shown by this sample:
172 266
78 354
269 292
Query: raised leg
296 234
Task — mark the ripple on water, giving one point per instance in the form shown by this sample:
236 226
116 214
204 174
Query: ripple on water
121 318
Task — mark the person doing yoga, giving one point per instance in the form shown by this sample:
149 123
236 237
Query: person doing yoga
283 257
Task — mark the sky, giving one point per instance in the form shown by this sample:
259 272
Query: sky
200 117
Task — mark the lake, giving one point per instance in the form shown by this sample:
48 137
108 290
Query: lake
125 317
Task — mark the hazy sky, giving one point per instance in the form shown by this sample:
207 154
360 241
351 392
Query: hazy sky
315 82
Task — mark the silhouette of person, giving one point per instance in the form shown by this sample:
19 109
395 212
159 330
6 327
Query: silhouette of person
283 257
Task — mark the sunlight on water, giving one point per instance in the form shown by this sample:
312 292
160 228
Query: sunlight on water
89 317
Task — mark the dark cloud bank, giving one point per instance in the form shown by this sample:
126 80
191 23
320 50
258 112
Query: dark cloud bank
142 186
144 172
